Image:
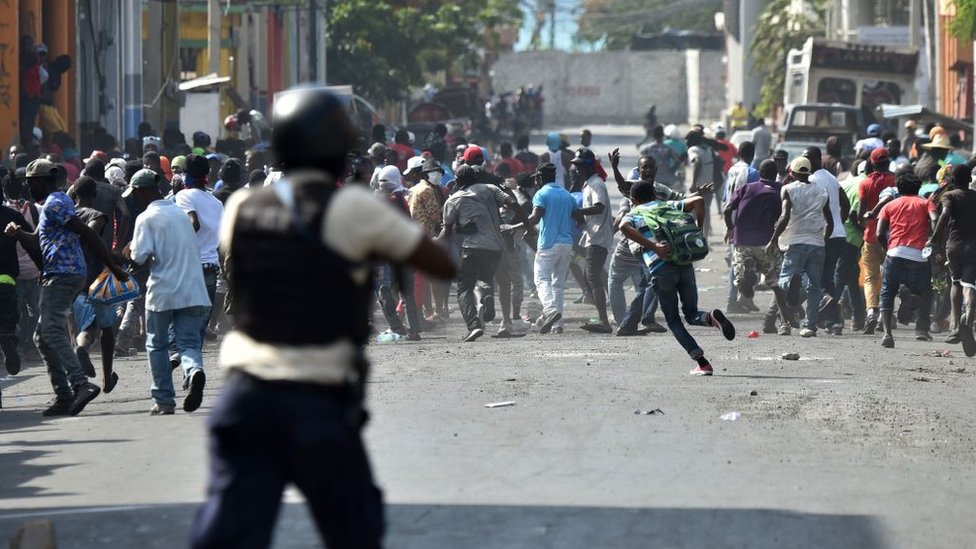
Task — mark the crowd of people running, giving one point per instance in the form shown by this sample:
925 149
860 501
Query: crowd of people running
834 235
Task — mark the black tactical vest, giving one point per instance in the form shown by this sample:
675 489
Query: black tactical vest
288 287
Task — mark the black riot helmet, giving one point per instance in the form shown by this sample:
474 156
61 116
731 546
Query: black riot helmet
311 130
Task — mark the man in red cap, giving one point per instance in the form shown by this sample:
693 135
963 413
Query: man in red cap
872 254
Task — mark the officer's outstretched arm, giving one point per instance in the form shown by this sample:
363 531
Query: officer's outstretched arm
433 259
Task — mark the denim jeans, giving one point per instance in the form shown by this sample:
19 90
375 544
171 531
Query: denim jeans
917 277
670 283
806 259
265 435
621 270
644 305
551 271
392 286
28 297
186 324
476 266
846 276
51 337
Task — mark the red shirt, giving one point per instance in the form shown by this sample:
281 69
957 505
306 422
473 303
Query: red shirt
728 155
869 192
404 153
513 164
908 221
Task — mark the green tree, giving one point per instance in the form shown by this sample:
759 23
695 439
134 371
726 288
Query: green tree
383 47
614 22
964 24
783 25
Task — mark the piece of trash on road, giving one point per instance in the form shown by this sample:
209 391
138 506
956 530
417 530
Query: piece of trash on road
703 270
500 404
731 416
790 356
655 411
921 379
753 334
753 392
510 379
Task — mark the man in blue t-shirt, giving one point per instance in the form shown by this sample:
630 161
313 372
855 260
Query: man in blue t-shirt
552 209
60 235
671 281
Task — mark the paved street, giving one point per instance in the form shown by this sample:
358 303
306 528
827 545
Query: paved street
851 446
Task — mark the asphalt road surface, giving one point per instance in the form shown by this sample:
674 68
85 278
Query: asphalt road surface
851 446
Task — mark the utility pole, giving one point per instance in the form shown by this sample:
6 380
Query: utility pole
552 25
313 48
213 36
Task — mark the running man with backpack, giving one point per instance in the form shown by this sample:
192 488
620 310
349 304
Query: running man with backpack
672 240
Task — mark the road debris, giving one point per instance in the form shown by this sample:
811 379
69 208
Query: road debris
502 404
731 416
753 335
655 411
753 392
790 356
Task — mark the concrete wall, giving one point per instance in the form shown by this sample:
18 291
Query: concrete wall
614 87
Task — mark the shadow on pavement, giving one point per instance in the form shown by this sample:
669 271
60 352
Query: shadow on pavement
485 527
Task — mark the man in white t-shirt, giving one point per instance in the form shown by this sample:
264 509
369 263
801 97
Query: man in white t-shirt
840 208
205 212
597 238
801 229
176 295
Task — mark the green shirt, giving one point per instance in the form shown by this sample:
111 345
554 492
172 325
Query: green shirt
855 236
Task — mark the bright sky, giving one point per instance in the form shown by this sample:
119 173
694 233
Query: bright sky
565 27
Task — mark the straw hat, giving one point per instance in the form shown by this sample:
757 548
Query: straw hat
939 141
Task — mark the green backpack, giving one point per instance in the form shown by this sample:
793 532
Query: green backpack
677 228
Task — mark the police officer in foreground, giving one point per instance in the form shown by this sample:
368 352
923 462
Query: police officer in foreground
291 410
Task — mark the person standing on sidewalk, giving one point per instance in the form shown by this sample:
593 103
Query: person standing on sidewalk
904 226
292 408
802 228
176 294
872 255
597 239
672 282
60 235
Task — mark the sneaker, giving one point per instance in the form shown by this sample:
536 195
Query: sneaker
922 335
871 324
836 329
597 328
736 309
719 321
11 361
953 338
486 310
748 304
413 336
503 333
653 327
475 334
110 383
194 397
888 342
968 341
158 409
807 332
557 330
550 319
84 393
785 330
85 361
57 407
703 369
621 332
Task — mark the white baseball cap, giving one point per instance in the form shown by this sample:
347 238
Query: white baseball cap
415 163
